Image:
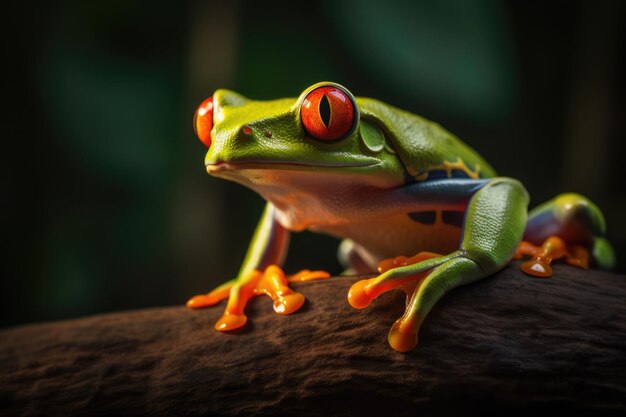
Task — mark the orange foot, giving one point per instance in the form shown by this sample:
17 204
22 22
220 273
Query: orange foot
403 334
272 282
552 248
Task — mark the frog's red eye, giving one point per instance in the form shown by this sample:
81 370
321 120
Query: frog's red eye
328 113
203 121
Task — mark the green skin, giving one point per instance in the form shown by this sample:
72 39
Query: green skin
362 188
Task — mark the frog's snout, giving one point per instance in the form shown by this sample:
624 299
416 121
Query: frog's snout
203 121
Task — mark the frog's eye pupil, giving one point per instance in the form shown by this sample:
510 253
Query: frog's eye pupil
325 111
203 121
328 113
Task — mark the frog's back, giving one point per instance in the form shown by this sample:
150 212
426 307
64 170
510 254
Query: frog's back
426 149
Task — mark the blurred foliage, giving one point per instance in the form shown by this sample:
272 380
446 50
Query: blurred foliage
107 205
454 56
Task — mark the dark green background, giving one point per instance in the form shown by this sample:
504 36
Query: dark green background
106 204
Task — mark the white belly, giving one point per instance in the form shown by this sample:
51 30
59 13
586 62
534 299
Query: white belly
396 236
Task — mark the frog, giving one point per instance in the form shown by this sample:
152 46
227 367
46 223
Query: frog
414 207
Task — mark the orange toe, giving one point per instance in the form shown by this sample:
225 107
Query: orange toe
307 275
289 303
201 301
357 296
402 336
387 264
230 322
537 268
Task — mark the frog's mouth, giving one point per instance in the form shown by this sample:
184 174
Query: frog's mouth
278 178
227 166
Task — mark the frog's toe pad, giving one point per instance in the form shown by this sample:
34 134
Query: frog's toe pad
288 304
537 268
402 336
357 296
201 301
230 322
212 298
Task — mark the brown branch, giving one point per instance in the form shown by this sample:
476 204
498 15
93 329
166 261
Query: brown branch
507 345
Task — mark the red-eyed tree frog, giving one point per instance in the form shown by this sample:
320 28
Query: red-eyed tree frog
409 201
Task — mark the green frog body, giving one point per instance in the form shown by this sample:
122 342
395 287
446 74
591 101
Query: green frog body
409 201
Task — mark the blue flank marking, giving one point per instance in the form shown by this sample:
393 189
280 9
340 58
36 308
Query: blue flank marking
453 218
449 190
424 217
445 190
436 174
457 173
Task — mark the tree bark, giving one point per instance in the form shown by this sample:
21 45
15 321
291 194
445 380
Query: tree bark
507 345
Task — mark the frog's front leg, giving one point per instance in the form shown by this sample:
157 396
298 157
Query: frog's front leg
494 224
259 274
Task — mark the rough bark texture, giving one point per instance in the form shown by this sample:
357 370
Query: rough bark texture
507 345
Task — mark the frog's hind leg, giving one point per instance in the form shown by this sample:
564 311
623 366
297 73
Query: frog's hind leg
568 227
494 223
355 258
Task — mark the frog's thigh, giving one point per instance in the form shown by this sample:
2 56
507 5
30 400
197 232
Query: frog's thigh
355 258
572 217
495 221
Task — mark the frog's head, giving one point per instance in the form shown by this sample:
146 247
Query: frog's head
323 132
